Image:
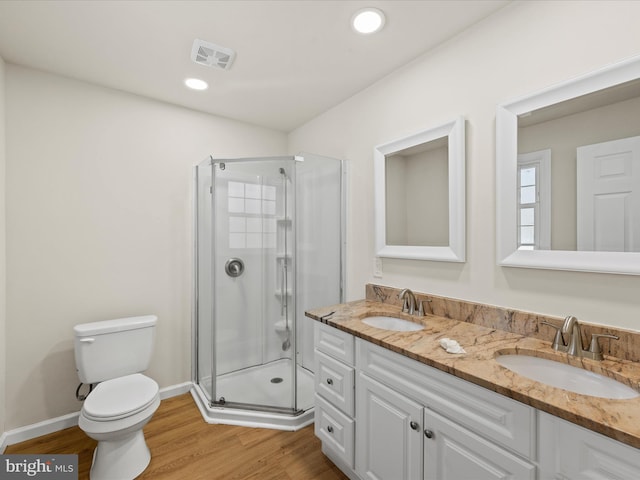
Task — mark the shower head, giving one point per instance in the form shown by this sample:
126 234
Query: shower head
282 172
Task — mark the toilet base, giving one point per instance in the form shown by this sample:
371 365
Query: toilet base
121 459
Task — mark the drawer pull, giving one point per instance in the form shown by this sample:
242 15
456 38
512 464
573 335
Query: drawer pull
414 426
429 433
329 381
330 429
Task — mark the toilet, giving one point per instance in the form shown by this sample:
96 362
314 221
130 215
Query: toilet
112 354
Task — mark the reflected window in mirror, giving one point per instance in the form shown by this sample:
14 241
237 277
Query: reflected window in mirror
534 200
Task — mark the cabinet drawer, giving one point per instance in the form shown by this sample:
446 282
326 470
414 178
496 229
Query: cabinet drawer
496 417
334 342
335 430
335 382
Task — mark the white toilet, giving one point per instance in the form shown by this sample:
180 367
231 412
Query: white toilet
112 353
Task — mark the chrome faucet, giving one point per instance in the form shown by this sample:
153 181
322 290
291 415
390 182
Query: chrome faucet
571 329
410 304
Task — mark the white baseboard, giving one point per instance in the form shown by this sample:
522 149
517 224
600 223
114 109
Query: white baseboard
34 430
175 390
56 424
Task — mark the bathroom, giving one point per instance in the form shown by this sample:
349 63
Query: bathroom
97 217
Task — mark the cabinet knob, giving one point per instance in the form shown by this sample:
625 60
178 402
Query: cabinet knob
414 426
429 433
329 381
330 429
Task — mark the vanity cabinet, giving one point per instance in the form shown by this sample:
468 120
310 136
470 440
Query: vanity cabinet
384 416
416 422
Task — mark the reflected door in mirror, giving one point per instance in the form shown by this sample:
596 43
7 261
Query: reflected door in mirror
608 191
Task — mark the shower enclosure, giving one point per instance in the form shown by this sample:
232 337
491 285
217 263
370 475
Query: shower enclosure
269 236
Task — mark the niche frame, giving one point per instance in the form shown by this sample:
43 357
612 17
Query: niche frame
454 131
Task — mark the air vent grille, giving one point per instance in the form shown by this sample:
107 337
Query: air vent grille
212 55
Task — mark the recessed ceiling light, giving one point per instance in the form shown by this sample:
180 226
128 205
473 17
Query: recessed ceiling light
368 20
196 84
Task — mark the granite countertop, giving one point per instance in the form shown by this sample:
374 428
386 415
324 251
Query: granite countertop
618 419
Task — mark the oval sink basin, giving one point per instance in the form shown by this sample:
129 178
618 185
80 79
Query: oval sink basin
392 323
567 377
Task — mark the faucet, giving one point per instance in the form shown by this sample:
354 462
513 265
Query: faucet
571 329
410 304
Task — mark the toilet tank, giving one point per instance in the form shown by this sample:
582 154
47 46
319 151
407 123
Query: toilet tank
113 348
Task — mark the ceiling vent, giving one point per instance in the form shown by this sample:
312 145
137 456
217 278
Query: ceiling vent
212 55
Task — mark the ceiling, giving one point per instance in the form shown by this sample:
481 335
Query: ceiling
294 59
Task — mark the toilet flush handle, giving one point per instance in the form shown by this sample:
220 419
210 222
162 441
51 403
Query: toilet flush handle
87 340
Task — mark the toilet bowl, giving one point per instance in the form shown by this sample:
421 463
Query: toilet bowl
114 415
111 354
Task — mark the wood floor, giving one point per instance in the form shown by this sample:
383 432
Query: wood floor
184 446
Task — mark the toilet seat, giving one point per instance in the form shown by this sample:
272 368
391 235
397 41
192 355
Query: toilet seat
120 398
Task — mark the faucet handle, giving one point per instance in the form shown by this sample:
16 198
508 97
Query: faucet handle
421 309
594 347
558 339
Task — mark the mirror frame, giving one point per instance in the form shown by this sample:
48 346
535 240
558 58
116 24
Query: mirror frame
506 178
454 131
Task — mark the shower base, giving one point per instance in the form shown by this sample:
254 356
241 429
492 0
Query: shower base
259 386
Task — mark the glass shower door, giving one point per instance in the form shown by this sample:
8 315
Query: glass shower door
253 283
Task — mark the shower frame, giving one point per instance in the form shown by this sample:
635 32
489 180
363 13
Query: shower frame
240 413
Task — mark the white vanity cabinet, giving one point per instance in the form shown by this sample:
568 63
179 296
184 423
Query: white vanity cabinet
570 452
416 422
384 416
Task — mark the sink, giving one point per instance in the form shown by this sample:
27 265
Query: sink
567 377
392 323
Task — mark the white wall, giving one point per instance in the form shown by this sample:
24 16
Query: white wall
523 48
99 187
3 357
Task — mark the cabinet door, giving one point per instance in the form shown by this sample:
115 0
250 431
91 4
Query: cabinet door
454 453
570 452
389 433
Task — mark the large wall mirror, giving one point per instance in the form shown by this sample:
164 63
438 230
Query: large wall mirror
420 195
568 175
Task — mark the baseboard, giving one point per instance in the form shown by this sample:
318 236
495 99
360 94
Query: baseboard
175 390
45 427
34 430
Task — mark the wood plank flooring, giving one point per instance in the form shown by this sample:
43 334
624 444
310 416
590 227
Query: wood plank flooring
184 446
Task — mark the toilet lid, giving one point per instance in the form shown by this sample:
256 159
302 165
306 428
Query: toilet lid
120 397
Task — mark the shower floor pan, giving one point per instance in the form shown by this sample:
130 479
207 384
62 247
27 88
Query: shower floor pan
264 385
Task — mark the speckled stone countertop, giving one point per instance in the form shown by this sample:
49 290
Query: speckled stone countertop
618 419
